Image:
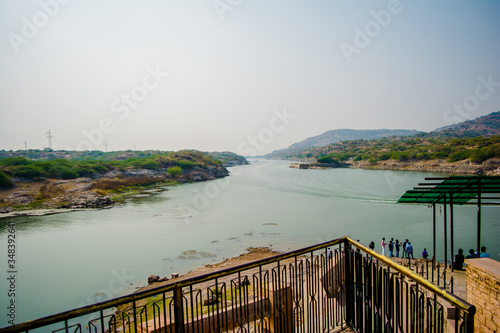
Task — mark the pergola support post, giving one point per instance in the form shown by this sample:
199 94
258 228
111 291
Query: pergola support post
478 245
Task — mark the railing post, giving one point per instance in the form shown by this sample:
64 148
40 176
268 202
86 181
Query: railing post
438 277
178 310
444 277
469 320
348 284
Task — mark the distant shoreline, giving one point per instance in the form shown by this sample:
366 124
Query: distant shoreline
490 167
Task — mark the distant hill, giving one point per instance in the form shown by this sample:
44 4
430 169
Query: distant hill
312 148
485 126
339 135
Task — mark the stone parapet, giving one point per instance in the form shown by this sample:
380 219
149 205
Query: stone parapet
483 291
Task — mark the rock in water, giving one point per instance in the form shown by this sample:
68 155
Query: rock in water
153 278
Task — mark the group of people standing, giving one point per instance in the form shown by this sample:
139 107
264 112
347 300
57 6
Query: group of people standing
395 246
408 251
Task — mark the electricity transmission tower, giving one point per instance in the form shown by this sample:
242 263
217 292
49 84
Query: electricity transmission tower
50 136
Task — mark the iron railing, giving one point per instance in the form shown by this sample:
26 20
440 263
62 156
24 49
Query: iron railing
313 289
436 272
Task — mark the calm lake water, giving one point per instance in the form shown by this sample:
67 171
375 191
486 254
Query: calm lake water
77 258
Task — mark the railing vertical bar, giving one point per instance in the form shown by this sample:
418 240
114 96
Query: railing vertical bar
193 305
225 318
164 294
438 277
217 304
278 294
368 295
102 321
444 277
348 282
135 315
260 290
287 298
339 275
178 310
407 308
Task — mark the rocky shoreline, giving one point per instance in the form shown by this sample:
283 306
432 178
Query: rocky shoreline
490 167
52 196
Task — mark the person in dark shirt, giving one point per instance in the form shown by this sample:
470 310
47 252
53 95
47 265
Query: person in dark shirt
404 248
459 260
425 254
391 248
409 250
471 254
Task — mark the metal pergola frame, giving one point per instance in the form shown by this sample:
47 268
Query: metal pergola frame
454 190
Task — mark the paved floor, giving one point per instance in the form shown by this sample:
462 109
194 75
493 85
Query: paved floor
459 284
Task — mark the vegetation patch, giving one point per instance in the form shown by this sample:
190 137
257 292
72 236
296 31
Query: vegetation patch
121 184
404 149
48 191
37 165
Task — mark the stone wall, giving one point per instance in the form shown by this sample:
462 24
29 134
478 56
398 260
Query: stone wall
483 291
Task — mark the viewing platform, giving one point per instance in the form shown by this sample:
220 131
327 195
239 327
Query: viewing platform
328 287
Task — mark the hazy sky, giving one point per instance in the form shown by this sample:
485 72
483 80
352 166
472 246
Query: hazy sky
246 76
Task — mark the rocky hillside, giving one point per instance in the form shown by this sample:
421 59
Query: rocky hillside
485 126
477 140
338 135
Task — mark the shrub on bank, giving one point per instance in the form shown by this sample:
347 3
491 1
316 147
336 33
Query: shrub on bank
27 172
5 182
15 161
174 171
